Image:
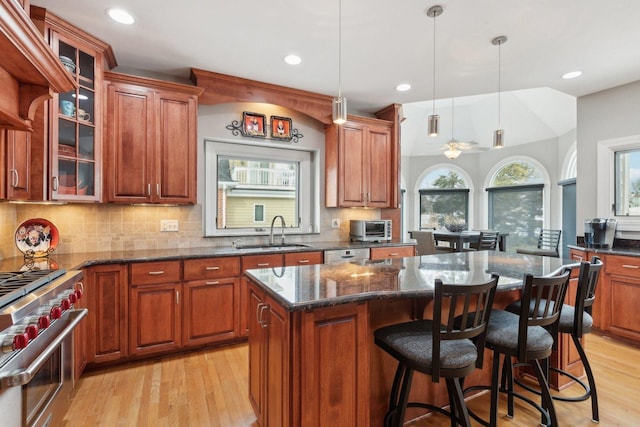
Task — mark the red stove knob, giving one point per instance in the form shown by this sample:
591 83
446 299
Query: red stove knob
20 341
79 293
56 312
73 298
31 331
65 304
44 322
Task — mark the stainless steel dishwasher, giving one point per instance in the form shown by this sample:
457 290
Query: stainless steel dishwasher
342 255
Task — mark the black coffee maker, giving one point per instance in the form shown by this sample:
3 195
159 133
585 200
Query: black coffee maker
599 232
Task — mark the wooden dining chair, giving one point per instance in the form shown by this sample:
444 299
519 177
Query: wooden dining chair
487 241
548 243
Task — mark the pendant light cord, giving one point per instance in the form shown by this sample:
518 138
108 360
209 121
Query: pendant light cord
339 48
499 79
434 64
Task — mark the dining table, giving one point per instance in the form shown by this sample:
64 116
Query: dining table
459 238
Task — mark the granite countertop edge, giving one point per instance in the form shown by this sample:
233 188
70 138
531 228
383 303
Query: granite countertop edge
632 252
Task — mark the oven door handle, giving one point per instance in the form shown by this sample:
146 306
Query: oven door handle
18 377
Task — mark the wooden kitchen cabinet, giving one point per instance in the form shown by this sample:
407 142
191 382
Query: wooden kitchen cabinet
269 365
155 314
80 335
359 164
211 311
621 295
105 293
151 140
293 259
16 158
392 252
68 138
251 262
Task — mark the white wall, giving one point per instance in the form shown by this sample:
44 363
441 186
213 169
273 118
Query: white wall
609 114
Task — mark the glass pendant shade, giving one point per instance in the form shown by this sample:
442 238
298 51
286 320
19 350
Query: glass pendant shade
434 125
339 112
452 153
498 138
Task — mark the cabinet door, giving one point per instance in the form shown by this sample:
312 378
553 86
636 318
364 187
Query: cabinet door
209 311
335 350
129 144
303 258
154 318
277 365
80 334
175 157
352 161
18 149
256 306
106 299
379 167
251 262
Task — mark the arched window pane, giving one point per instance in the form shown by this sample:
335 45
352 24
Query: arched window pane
443 178
517 173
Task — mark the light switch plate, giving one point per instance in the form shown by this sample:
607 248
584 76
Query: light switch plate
335 223
169 225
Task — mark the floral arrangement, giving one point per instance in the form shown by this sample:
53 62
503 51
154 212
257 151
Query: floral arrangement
455 225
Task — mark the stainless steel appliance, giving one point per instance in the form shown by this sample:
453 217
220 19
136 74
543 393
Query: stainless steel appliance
341 255
599 232
370 230
37 318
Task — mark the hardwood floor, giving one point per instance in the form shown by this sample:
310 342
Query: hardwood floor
209 388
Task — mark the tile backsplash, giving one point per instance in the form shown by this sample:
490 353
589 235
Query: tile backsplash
103 227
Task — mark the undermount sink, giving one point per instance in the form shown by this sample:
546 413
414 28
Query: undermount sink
275 247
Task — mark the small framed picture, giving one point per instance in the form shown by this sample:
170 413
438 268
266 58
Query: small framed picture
253 124
280 127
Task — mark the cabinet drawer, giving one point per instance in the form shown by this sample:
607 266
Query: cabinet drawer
207 268
392 252
303 258
251 262
147 273
622 265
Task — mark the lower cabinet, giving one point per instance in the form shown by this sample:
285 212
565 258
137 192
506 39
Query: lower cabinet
252 262
392 252
105 293
80 334
293 356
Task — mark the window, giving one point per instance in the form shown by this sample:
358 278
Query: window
516 203
444 198
627 183
247 185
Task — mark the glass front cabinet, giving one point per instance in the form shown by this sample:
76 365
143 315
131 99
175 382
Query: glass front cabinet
73 120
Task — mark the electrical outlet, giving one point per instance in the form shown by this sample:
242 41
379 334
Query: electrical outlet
335 223
169 225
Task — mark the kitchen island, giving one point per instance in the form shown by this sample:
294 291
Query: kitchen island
312 359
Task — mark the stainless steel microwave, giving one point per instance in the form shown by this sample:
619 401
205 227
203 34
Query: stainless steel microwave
365 230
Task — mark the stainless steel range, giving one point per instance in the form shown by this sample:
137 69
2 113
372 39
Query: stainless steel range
37 318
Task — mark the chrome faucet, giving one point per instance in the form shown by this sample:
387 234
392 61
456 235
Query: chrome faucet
271 232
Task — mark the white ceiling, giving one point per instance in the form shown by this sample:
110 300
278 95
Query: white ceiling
389 42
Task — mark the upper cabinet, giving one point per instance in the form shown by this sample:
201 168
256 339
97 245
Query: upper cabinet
151 140
359 159
15 147
29 71
70 138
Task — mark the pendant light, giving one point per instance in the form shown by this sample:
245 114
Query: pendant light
453 151
434 119
339 107
498 135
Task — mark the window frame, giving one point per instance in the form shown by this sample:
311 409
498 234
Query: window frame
605 182
308 185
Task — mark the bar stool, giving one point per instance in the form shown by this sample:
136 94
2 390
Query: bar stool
526 337
439 350
576 320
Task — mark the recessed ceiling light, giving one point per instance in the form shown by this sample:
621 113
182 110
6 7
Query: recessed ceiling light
292 59
121 16
572 75
403 87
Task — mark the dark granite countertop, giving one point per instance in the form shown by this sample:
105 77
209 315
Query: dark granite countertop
626 251
80 260
307 287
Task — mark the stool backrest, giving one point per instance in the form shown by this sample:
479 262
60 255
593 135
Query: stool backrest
469 307
549 239
545 297
586 292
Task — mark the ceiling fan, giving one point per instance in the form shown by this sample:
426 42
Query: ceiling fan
453 148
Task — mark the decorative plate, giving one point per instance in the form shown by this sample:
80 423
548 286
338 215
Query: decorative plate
36 237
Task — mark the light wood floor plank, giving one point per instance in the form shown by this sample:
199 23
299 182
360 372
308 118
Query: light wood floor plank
209 389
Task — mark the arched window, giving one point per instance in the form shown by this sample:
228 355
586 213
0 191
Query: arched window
444 198
515 198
